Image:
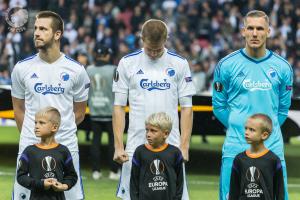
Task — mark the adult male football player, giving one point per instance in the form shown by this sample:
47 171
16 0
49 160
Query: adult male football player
251 80
49 78
153 79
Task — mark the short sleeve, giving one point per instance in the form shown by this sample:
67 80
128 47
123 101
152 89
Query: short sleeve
121 80
18 87
185 83
81 86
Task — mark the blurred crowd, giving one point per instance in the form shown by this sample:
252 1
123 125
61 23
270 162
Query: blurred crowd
201 30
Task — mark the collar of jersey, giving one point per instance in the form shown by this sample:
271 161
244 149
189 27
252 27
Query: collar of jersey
163 147
51 146
266 57
58 59
256 155
156 60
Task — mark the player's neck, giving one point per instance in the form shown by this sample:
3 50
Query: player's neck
257 148
256 53
50 55
49 141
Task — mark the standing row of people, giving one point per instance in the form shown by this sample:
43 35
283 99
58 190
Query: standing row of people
152 80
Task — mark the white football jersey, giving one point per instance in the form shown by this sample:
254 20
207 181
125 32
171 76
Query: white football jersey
58 84
152 86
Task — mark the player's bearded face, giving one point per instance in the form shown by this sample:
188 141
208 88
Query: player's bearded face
154 51
43 33
256 32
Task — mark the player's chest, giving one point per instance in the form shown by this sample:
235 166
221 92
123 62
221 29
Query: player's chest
255 78
47 81
155 78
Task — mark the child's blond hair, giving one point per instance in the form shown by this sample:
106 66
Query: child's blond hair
265 121
160 120
52 113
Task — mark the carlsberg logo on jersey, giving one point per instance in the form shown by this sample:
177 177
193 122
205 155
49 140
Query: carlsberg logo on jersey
155 85
48 89
248 84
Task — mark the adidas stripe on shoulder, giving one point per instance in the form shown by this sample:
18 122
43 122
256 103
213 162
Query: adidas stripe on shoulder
28 58
134 53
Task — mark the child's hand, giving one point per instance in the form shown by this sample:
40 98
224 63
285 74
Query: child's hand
48 183
59 187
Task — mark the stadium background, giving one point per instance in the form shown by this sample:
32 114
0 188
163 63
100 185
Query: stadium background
202 31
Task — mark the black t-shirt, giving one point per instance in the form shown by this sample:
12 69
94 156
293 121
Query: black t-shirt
37 164
156 174
256 177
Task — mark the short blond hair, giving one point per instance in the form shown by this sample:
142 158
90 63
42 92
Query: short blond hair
160 120
154 31
257 13
265 122
52 113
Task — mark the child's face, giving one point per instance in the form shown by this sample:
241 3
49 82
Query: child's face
155 136
43 126
253 133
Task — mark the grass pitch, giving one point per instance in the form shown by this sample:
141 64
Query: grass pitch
200 186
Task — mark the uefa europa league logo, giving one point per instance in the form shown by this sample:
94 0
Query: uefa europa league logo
157 167
16 18
48 163
252 174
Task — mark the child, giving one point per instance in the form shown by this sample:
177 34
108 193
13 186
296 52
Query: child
46 168
257 172
157 171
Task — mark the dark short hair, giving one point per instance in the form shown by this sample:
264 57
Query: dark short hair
57 22
102 50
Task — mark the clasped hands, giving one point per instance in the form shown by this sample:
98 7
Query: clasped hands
55 185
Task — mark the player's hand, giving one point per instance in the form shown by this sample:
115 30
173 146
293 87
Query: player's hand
120 156
48 183
59 187
185 153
